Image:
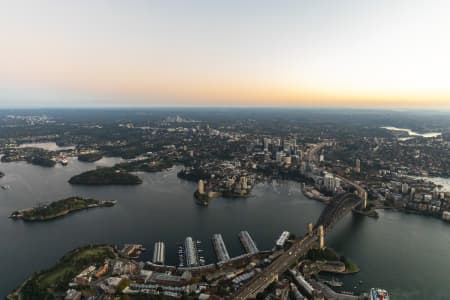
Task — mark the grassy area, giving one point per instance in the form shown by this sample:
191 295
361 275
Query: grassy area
350 266
322 254
45 284
329 255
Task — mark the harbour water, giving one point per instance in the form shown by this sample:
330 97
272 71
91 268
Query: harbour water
50 146
413 133
407 254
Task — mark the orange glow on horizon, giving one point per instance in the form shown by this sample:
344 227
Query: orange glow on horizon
315 54
140 89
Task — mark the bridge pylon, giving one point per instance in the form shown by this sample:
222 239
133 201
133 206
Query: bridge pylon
321 237
363 195
364 200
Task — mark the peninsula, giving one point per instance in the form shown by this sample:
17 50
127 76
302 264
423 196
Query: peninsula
105 176
90 157
145 165
42 161
58 209
45 284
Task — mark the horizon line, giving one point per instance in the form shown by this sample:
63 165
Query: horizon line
193 106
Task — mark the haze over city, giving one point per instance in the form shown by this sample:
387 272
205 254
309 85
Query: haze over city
256 53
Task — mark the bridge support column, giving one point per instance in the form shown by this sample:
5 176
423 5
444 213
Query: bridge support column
321 237
310 229
364 200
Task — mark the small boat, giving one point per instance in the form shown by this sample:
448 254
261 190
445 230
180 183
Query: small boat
378 294
63 160
5 187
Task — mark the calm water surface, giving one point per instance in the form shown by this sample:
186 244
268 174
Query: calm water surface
414 133
407 254
50 146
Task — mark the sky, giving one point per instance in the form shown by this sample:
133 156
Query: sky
346 53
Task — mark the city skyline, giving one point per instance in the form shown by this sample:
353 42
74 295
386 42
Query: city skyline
301 53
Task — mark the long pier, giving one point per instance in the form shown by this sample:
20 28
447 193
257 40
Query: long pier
220 248
159 253
191 252
247 242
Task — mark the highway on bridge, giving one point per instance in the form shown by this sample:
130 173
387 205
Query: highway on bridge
279 266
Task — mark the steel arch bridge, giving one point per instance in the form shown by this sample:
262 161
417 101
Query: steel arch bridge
337 209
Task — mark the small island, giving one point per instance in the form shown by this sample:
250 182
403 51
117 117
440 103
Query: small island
59 209
90 157
42 161
105 176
